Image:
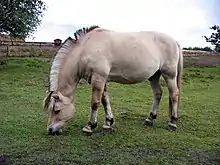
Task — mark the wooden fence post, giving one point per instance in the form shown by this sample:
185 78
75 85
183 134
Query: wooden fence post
7 54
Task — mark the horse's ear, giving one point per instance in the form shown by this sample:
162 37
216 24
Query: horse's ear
46 101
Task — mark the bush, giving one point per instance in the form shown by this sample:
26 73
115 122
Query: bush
209 49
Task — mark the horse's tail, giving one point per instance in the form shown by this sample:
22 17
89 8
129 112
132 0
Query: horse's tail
179 74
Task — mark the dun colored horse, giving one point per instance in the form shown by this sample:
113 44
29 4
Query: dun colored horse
99 56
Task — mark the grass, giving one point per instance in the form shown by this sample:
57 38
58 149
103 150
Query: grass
23 137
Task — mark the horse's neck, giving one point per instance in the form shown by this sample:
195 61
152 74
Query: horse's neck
68 80
68 90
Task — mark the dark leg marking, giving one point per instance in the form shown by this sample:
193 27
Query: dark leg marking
110 120
92 125
172 125
174 119
149 121
152 116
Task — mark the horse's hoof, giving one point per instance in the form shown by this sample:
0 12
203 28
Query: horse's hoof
107 129
87 131
171 127
148 122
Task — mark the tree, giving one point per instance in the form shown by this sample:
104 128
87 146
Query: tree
199 48
20 18
214 39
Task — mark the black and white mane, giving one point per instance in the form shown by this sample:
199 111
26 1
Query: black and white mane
62 52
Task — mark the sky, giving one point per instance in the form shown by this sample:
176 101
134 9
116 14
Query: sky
185 20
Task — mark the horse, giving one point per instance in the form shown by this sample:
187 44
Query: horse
99 56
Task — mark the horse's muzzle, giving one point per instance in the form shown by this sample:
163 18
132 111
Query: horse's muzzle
54 131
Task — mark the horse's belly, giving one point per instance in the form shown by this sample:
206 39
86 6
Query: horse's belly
129 76
125 80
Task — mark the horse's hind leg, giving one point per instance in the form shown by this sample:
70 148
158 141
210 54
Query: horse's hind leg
109 120
173 101
157 92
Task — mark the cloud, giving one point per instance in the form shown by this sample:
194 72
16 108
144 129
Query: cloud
212 10
49 31
186 20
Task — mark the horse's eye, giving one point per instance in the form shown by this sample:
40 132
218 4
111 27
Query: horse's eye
56 112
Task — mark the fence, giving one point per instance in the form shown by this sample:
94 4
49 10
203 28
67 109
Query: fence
47 49
27 49
20 43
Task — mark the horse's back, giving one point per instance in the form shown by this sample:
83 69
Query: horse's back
130 57
150 44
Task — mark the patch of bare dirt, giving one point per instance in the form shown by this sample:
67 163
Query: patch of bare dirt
8 159
206 158
4 160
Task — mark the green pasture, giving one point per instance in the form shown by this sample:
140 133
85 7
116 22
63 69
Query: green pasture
24 140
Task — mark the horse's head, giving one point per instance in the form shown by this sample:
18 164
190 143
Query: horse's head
60 110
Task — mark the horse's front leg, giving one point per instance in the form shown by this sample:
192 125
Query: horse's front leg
109 120
97 90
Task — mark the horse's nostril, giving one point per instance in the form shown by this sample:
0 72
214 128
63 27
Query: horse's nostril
50 131
57 132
